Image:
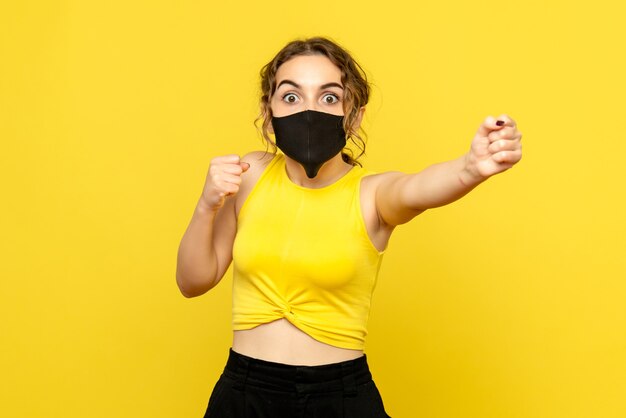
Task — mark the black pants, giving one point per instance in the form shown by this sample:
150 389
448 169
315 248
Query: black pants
252 388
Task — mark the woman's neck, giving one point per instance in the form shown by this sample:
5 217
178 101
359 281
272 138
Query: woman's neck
330 172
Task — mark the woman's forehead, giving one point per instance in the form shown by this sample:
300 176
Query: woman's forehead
309 70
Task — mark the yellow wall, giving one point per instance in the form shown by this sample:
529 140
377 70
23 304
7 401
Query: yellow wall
509 303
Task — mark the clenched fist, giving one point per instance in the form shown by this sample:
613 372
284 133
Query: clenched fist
223 180
495 148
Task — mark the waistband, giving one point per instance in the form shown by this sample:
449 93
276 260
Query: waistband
342 376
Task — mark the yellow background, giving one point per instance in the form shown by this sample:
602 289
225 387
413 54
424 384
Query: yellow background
509 303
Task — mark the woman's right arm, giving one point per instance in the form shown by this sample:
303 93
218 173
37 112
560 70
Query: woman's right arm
205 251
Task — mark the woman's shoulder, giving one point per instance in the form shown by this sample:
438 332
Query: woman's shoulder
258 160
259 155
374 178
373 181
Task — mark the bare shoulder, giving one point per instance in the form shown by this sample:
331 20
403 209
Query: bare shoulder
378 231
371 183
256 158
258 161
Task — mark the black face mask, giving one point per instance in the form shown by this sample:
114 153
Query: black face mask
310 137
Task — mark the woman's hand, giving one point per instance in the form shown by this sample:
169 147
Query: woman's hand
223 180
495 148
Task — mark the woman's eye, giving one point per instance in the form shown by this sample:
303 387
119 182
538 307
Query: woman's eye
327 99
290 98
333 99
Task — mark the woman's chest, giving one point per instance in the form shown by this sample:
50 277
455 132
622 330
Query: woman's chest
322 246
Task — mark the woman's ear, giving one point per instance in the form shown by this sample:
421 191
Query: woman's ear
359 118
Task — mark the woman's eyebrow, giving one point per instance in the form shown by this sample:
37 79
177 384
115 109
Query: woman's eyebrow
296 85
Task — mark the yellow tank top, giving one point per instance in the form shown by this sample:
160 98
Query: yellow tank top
304 255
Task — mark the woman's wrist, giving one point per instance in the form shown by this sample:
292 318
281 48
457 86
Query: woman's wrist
469 175
204 209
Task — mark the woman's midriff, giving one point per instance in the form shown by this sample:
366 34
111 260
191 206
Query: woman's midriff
281 342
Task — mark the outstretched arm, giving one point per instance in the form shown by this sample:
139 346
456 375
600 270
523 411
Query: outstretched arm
496 147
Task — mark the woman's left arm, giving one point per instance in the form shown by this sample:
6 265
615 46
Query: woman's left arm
495 148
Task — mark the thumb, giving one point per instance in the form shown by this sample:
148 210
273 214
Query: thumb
490 124
244 165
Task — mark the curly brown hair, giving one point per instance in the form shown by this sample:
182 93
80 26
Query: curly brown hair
353 77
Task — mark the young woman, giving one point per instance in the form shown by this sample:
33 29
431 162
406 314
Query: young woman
307 228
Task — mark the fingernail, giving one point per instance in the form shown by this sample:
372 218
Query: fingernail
500 123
